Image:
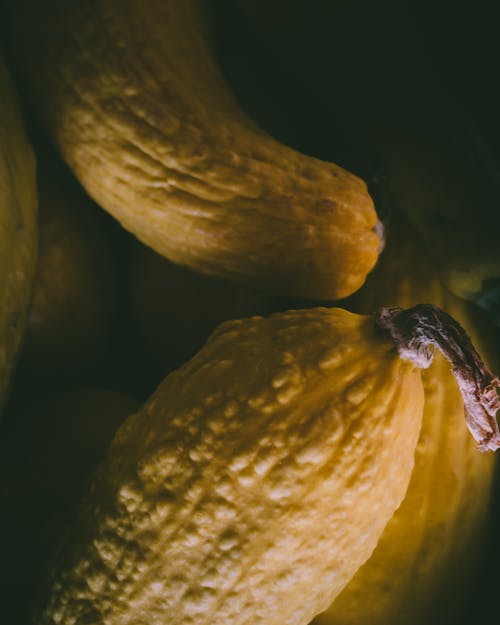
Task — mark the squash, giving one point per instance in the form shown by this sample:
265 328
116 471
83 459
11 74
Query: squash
259 476
18 234
133 97
430 550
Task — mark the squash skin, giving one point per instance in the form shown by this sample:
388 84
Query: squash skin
18 231
133 97
219 500
430 550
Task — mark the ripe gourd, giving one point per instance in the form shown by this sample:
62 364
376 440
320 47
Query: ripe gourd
429 551
133 97
259 476
18 203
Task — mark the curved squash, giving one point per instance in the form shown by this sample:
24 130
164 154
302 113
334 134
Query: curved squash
132 95
255 481
18 237
430 549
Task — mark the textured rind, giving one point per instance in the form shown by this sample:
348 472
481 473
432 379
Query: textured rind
133 97
430 548
18 243
251 486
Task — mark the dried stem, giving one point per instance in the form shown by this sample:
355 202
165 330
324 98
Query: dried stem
418 331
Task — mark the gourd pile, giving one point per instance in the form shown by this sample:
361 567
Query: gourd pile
247 364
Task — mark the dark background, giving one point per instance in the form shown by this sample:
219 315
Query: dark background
313 70
315 73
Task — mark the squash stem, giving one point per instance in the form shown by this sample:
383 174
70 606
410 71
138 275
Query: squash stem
418 331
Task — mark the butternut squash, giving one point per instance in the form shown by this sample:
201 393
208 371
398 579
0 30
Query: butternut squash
133 97
430 550
18 236
259 476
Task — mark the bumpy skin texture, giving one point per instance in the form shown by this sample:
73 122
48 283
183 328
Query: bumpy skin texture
18 204
429 550
251 486
133 97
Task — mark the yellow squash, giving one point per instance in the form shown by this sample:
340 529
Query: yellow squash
133 96
258 478
430 549
18 203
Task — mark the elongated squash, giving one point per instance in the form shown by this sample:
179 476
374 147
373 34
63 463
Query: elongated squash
132 95
260 475
430 549
18 242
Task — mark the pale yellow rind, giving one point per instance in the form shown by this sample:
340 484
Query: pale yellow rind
133 97
18 203
430 549
251 486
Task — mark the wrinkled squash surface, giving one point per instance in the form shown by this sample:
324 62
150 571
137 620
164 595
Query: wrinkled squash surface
251 486
133 96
